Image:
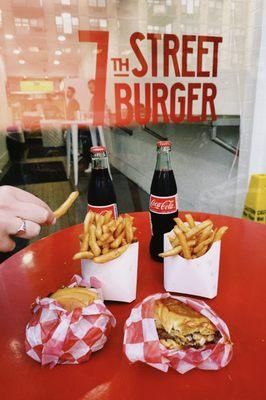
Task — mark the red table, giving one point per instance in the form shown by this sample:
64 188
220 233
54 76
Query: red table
47 264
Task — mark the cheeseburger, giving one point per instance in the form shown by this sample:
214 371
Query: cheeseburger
71 298
179 326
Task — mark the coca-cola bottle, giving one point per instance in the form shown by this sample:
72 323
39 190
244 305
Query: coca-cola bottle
163 199
101 194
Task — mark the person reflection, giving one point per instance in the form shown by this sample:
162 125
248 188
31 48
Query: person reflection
91 87
72 104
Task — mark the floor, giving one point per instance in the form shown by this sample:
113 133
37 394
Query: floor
130 197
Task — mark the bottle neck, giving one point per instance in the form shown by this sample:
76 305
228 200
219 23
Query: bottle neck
163 159
99 161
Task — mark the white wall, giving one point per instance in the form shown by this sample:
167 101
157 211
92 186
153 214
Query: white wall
258 143
252 139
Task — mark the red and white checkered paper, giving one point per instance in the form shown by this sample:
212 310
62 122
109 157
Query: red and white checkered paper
56 336
141 341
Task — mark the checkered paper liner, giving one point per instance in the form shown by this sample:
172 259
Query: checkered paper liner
141 341
56 336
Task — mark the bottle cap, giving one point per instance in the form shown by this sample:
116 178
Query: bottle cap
98 149
164 143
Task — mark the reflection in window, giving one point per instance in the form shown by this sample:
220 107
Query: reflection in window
97 3
66 23
191 29
25 22
154 28
75 23
162 2
215 4
168 28
214 31
191 6
159 9
238 12
159 29
63 2
34 49
98 23
22 22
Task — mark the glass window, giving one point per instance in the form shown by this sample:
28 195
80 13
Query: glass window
94 22
98 22
66 23
97 3
102 23
39 62
22 22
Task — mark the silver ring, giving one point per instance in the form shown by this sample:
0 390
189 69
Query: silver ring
22 227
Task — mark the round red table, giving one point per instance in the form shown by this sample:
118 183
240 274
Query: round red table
47 264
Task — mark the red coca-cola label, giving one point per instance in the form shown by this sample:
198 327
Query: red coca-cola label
163 205
103 209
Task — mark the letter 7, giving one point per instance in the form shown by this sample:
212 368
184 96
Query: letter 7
102 40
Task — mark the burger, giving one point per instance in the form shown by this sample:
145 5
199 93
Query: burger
71 298
180 327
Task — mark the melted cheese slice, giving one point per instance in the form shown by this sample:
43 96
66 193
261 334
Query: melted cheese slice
71 298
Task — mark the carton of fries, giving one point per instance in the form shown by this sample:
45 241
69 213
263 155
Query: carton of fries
118 277
109 252
192 257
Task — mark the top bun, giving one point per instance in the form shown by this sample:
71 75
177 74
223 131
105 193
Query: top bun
71 298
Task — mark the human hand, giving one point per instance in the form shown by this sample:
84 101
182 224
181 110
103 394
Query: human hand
17 207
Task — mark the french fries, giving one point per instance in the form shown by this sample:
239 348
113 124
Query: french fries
176 250
63 209
183 243
85 243
172 252
103 238
192 240
83 254
111 255
184 228
95 248
190 220
219 234
198 228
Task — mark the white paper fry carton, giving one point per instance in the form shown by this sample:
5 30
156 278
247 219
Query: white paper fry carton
198 276
118 277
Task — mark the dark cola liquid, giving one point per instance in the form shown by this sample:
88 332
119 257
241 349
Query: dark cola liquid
101 190
163 185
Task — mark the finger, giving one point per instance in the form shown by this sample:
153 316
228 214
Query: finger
26 197
34 213
14 224
32 229
6 244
